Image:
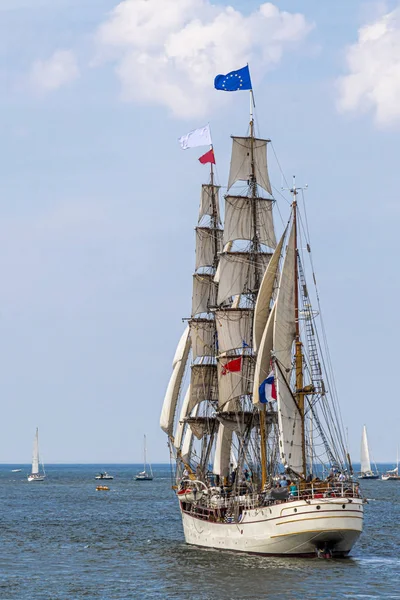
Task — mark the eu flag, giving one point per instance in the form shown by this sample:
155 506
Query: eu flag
234 81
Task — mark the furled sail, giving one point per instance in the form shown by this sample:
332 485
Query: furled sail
174 386
241 161
206 201
264 297
233 328
208 243
239 217
204 293
262 368
202 333
233 384
236 273
223 451
365 459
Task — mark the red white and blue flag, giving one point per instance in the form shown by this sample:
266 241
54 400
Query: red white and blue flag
267 390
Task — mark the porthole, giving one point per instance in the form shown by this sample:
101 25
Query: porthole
295 510
318 507
343 506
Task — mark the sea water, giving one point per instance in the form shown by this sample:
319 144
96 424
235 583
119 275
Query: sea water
61 539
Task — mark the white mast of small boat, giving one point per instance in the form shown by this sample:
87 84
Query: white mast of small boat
35 474
144 475
365 468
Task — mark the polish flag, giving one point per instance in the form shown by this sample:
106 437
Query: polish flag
208 157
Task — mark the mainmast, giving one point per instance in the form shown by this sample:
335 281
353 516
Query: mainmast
248 219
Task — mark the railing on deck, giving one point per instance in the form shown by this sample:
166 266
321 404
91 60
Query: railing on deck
219 500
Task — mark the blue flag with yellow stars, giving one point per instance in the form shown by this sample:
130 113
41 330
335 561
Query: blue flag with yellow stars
234 81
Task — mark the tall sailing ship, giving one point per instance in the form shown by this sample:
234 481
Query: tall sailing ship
254 473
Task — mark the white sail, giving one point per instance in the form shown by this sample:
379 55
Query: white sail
204 293
233 328
181 348
289 422
365 459
203 384
284 325
263 368
289 419
264 297
202 333
208 242
188 442
35 454
180 426
202 426
241 161
223 451
239 216
232 385
236 273
174 385
206 201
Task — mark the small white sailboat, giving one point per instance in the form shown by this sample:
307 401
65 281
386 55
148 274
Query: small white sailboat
392 474
145 475
365 469
36 475
104 476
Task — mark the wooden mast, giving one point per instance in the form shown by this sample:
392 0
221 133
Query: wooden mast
298 345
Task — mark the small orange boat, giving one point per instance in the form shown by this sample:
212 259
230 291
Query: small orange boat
102 487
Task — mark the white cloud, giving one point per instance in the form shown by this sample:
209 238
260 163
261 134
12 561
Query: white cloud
373 82
60 69
168 51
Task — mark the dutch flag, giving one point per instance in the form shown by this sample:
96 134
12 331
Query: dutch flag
267 391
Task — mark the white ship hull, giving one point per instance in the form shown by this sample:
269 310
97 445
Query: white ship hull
292 528
35 477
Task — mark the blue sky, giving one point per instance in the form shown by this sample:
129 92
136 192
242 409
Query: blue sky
98 203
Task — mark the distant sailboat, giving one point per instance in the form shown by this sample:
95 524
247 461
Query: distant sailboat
36 475
144 475
366 471
392 474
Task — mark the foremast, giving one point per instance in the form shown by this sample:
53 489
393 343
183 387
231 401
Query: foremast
256 249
